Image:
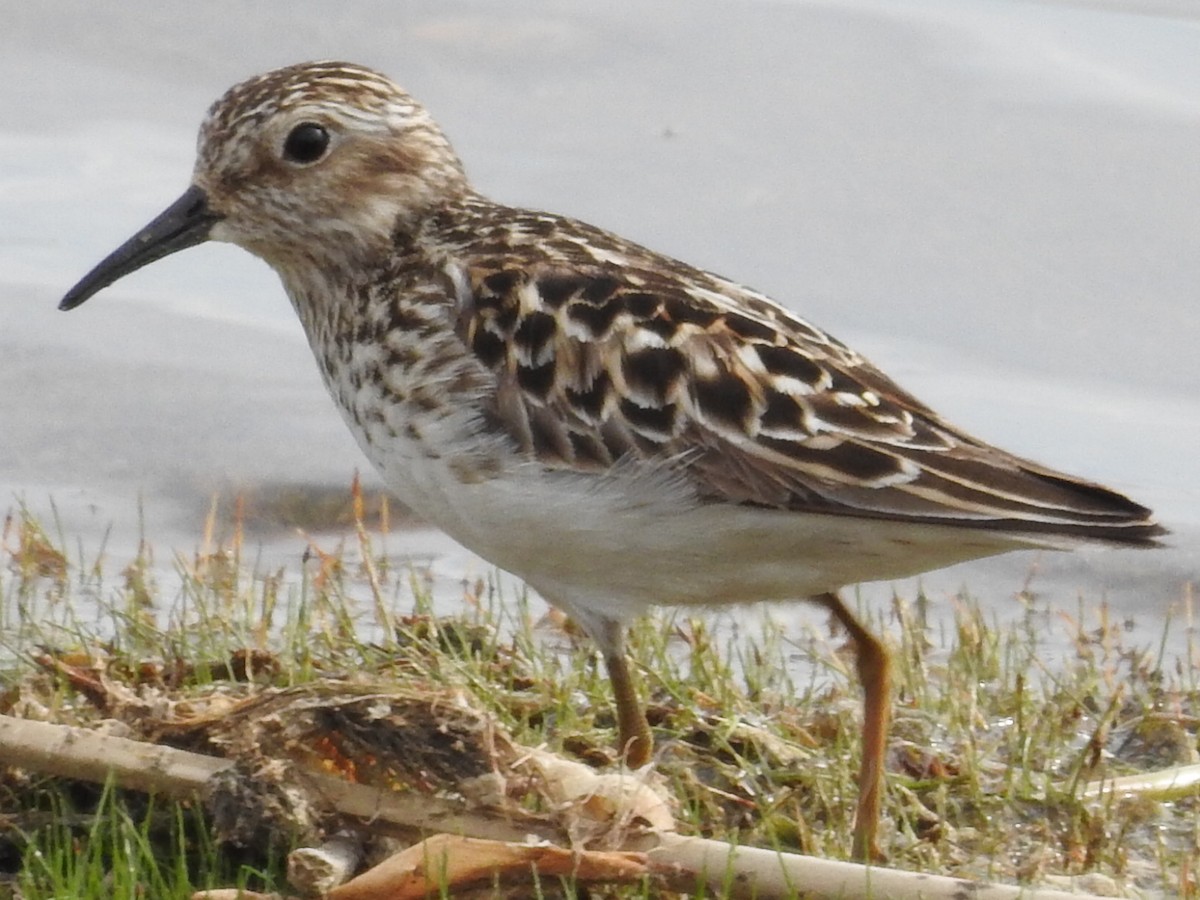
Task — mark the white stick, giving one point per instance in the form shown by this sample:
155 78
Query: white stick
745 872
314 871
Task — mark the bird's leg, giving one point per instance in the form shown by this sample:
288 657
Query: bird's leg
874 671
636 742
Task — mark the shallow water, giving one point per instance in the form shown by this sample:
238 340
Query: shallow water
997 202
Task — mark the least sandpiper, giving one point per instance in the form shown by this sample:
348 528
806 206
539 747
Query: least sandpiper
617 428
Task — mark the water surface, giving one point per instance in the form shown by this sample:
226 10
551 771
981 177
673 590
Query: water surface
996 201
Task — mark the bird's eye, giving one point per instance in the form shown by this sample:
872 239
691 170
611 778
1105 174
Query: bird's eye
306 143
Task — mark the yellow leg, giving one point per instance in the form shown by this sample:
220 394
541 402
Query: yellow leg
636 745
874 671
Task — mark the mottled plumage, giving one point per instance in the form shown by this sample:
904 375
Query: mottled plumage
616 427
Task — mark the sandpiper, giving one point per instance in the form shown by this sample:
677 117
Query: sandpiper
617 428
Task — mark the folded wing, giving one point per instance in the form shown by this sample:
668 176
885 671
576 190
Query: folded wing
631 358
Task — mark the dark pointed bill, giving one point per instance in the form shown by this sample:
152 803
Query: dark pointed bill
183 224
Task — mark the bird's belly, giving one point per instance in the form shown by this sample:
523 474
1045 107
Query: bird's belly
617 543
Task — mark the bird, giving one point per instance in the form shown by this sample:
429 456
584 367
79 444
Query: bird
615 427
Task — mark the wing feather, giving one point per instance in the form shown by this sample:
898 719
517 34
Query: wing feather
630 355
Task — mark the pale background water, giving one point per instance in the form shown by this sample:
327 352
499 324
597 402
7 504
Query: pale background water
998 202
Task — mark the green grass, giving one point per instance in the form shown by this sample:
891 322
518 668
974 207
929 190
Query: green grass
757 733
109 844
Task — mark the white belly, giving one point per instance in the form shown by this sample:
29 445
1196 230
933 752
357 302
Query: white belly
619 543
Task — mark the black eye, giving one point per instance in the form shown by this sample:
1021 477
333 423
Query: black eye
306 143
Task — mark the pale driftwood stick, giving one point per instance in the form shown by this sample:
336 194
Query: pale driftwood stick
314 871
424 813
748 872
79 753
1164 785
735 871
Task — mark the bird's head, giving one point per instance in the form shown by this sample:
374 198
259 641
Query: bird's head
316 165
